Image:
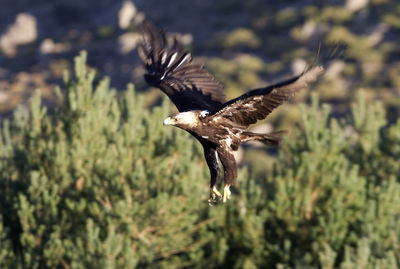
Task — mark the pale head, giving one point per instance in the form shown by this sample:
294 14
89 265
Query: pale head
183 119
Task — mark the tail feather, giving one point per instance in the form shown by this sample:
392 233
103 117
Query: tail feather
271 139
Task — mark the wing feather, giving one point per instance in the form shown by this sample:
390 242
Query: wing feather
259 103
188 85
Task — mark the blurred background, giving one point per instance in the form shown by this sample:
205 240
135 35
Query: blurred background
245 44
100 183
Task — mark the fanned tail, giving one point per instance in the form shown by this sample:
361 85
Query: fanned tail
270 139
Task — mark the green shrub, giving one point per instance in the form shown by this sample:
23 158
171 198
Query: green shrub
99 183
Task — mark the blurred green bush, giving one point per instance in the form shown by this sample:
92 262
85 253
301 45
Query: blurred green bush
99 183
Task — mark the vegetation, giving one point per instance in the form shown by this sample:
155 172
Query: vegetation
358 47
99 183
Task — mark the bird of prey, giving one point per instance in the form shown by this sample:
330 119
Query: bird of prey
219 125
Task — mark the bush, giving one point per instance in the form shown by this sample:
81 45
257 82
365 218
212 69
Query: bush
99 183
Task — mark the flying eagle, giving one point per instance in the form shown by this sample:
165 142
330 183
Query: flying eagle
219 125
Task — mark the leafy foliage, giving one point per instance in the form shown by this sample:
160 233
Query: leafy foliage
100 184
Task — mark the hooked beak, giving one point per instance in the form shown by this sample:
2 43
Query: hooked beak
168 121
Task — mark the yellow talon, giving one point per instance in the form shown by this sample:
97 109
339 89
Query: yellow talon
213 195
227 193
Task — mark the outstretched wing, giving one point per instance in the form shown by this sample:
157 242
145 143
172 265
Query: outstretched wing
188 85
257 104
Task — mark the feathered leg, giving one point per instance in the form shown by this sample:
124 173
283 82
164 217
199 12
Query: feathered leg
230 171
212 161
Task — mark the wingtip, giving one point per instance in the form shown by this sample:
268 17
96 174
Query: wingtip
147 25
312 73
315 69
319 69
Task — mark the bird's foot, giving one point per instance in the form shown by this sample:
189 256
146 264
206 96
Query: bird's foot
227 193
214 194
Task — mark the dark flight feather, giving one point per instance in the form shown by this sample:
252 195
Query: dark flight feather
188 85
257 104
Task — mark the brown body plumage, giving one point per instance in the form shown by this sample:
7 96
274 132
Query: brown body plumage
220 126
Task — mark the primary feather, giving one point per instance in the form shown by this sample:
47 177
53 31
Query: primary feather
187 84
